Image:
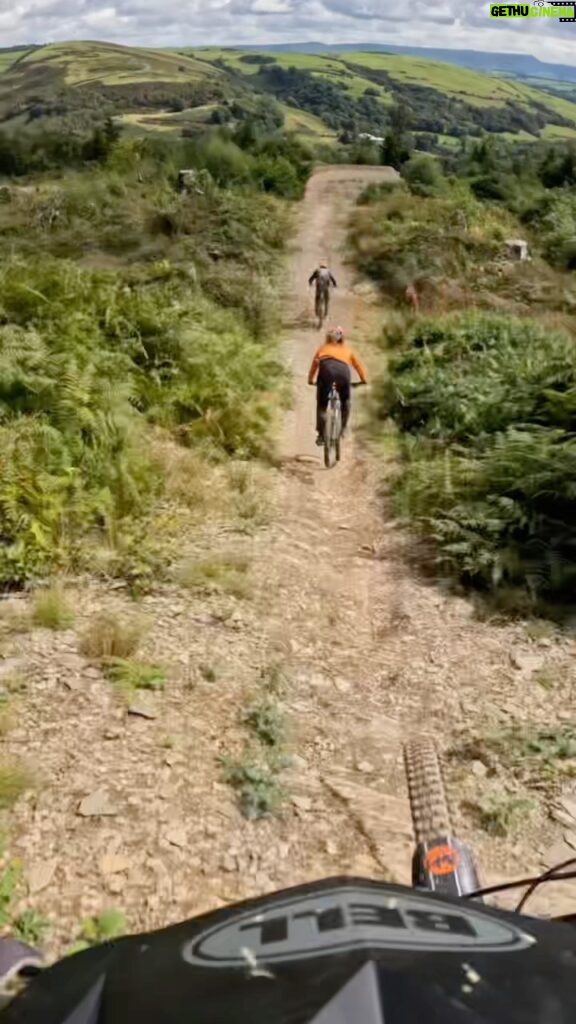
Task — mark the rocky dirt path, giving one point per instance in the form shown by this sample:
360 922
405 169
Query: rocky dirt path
338 633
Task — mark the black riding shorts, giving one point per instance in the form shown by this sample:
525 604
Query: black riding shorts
332 371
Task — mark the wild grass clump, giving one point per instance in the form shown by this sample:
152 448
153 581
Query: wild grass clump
536 758
14 782
52 609
487 408
266 721
256 785
224 575
110 637
130 675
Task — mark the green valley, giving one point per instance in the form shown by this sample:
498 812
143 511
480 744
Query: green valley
322 96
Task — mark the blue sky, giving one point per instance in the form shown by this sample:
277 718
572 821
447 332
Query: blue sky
446 23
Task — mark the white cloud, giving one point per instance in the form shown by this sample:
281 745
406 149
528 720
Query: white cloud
458 24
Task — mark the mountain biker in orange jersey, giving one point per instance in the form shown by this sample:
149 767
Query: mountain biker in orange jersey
332 362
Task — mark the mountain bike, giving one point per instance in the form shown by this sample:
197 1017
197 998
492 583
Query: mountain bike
333 427
339 951
322 305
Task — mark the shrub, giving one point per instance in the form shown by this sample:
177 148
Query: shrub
401 238
91 359
467 376
494 186
259 792
488 408
374 193
424 176
224 160
277 174
84 363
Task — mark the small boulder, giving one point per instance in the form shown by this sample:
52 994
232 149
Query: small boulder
97 805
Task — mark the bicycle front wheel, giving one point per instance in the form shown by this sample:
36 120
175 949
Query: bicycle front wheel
428 802
337 434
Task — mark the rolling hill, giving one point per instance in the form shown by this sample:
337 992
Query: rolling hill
322 95
78 82
443 98
522 65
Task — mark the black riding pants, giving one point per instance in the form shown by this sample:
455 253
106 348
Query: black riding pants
332 371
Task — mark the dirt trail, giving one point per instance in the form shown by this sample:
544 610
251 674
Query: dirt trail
370 652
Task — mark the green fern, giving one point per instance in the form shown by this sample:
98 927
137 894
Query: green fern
487 406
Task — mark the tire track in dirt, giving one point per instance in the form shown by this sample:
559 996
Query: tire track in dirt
331 599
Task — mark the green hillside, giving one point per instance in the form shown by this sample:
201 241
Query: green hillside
322 97
468 99
80 82
108 64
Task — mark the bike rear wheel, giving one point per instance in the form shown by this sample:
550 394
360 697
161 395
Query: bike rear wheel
321 308
332 431
428 801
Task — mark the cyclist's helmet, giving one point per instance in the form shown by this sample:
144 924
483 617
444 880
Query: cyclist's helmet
335 334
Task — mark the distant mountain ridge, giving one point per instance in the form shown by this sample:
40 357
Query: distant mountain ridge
522 64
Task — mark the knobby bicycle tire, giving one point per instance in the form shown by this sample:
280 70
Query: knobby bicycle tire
332 432
427 790
321 308
328 422
337 433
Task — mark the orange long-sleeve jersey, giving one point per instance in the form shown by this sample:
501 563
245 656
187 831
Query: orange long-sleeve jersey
340 351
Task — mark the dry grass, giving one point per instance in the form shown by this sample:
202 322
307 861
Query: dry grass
110 637
52 609
191 481
250 498
225 575
7 713
14 781
14 618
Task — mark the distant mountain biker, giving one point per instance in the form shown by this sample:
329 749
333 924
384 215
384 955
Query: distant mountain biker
324 280
332 363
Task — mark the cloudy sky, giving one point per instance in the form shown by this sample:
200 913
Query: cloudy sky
445 23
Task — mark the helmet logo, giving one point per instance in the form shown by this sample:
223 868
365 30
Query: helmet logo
346 918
